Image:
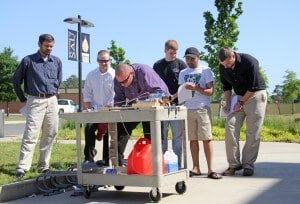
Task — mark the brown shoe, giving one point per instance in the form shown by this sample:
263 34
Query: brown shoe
231 171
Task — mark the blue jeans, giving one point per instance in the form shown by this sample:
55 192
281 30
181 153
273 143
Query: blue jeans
176 128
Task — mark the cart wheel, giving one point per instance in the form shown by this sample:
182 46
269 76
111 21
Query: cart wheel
180 187
119 188
155 195
87 192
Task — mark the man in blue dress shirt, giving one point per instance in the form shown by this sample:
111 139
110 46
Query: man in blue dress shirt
41 74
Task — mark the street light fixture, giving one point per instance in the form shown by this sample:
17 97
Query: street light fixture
81 23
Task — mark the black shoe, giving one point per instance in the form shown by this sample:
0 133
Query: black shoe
123 162
20 173
94 152
248 172
44 171
87 161
102 163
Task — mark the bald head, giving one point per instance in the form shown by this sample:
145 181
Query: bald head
124 74
122 69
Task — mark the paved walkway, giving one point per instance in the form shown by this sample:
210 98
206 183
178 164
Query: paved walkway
276 180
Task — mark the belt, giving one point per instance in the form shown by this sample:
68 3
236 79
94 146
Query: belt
42 95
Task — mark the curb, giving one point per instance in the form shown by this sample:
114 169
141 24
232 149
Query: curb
47 184
18 190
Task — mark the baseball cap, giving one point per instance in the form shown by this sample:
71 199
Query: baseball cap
192 52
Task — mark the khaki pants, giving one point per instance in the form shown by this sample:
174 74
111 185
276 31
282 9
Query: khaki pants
42 114
254 112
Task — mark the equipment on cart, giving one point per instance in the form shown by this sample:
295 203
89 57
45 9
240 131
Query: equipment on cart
140 158
119 176
171 161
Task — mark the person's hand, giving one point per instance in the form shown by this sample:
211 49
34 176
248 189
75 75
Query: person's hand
173 97
226 109
237 107
190 86
89 110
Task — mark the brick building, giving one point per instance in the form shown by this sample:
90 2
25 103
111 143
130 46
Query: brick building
14 106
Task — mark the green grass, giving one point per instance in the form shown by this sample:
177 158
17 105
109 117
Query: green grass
281 128
14 118
63 157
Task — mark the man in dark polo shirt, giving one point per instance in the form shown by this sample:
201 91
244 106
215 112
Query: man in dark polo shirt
240 72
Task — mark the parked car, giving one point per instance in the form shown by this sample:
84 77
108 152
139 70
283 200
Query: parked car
66 106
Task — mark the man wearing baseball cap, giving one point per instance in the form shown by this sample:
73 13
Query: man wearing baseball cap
199 80
192 52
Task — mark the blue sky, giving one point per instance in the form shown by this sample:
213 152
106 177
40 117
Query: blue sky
269 30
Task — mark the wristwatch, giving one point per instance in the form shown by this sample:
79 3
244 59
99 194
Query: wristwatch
241 102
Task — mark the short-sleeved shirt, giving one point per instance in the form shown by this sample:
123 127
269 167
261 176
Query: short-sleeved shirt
169 72
200 76
244 77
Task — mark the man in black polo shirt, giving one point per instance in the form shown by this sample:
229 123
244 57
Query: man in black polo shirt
240 72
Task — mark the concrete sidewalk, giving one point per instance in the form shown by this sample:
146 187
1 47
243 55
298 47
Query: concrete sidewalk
276 180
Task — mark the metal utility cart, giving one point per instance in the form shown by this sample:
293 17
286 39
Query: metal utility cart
120 178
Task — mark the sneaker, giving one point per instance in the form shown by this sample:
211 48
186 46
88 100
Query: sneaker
248 172
231 171
123 162
44 171
20 173
87 161
102 163
94 152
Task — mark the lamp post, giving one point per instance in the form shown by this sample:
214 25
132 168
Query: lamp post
80 23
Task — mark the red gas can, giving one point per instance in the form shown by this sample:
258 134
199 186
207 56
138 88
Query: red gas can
140 158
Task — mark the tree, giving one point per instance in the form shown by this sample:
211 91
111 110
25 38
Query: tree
117 54
277 93
70 83
221 32
290 88
265 78
8 65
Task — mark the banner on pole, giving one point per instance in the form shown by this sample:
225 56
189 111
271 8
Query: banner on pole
85 47
72 39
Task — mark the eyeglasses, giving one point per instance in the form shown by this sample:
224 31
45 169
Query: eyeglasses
103 61
125 80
